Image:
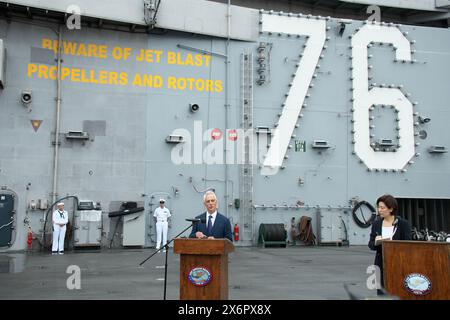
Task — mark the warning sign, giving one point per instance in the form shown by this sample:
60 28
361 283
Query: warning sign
36 124
216 134
232 135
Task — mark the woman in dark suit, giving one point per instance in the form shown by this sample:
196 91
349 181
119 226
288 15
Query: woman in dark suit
387 226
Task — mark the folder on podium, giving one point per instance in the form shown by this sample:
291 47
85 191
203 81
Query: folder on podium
203 268
417 270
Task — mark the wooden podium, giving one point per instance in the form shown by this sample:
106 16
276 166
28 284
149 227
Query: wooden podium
203 268
417 270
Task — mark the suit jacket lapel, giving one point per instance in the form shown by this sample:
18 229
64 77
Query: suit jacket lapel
216 222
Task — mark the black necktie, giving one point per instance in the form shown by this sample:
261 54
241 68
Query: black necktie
61 214
209 229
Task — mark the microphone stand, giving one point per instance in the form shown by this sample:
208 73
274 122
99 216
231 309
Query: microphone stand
166 247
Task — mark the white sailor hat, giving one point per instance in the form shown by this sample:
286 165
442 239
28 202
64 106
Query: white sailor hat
60 204
162 200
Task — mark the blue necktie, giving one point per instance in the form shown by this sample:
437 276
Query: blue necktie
209 228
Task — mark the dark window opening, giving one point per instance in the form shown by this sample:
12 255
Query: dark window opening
431 214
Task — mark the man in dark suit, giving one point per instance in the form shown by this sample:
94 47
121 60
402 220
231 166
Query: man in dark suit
213 225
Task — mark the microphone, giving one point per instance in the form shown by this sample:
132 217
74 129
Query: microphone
195 220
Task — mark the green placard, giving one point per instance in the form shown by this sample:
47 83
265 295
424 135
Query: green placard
300 145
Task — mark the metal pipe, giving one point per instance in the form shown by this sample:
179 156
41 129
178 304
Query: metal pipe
58 108
227 62
276 206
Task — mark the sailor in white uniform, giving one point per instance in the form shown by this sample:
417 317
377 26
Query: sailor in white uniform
60 219
162 215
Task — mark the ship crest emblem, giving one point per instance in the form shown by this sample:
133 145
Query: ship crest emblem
200 276
417 284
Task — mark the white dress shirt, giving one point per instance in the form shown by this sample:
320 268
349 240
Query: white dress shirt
387 232
213 219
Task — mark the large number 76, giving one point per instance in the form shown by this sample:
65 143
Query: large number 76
363 97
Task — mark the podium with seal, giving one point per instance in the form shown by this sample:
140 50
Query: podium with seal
203 268
417 270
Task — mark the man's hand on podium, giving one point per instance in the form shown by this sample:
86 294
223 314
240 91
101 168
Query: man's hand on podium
201 235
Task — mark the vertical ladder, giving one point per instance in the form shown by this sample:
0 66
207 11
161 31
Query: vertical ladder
246 189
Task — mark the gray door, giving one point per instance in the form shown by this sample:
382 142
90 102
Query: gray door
6 219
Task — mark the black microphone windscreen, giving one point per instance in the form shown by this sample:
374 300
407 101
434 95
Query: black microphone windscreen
193 220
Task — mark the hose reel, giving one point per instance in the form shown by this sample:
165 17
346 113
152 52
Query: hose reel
272 234
363 223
